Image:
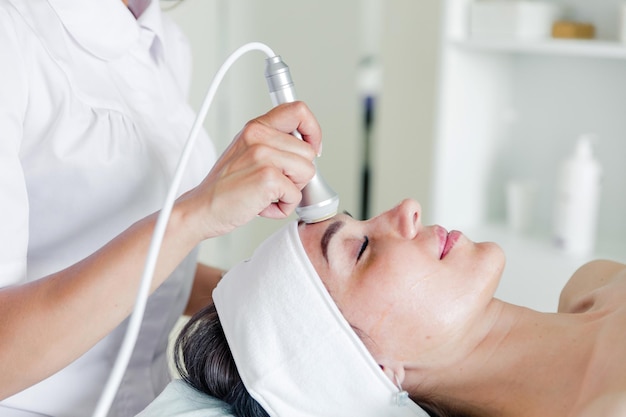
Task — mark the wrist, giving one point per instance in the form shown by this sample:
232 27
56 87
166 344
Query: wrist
186 224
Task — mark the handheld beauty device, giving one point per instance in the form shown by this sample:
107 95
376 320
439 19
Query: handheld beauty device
319 201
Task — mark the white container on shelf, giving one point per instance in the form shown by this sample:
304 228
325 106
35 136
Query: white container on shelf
578 195
512 19
520 202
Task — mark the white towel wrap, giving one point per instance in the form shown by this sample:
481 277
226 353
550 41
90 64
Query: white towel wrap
296 353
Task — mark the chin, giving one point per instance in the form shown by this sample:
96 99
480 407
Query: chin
491 259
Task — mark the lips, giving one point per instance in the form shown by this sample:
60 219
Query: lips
448 241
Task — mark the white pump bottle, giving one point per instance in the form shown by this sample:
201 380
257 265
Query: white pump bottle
577 200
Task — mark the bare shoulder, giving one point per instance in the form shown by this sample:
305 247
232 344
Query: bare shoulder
576 296
609 405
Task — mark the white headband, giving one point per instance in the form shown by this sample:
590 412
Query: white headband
296 353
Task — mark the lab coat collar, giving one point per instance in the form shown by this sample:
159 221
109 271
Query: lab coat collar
106 28
150 19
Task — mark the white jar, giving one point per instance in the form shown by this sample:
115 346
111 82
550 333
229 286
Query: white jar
577 200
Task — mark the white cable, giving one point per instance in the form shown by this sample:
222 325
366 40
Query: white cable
134 324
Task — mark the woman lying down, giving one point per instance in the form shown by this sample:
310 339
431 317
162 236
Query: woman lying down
348 318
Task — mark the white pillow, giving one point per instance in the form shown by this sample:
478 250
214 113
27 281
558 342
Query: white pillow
179 399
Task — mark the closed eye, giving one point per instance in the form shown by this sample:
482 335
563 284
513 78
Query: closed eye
366 242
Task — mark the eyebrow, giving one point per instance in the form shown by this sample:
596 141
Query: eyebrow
328 234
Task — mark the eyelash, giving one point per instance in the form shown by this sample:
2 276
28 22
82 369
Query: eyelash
363 247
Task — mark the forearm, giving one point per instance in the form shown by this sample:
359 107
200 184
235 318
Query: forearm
52 321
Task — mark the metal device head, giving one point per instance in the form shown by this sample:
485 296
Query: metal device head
319 201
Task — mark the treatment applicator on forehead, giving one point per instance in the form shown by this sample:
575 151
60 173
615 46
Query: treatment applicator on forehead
296 353
319 201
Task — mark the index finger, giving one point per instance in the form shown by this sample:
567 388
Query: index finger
292 117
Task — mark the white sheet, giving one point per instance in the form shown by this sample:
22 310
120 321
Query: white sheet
179 399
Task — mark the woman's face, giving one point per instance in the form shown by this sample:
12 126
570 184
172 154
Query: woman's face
413 291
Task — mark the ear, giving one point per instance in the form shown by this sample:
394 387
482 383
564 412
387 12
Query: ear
394 371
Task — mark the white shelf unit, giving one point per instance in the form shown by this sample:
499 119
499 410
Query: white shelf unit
512 109
550 47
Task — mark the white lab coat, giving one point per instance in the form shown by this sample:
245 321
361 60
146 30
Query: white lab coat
93 117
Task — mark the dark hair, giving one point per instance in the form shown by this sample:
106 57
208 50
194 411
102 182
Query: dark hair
204 360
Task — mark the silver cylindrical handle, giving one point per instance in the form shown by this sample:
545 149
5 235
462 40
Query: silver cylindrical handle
319 201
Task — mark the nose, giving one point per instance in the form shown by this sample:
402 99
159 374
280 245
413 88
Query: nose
407 217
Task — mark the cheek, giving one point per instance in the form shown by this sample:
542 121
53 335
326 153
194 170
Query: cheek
420 314
389 287
401 310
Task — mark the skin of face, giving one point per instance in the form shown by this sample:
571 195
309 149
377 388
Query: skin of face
412 307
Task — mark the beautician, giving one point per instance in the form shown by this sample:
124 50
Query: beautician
93 117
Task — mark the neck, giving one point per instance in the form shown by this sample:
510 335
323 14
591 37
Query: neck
528 363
